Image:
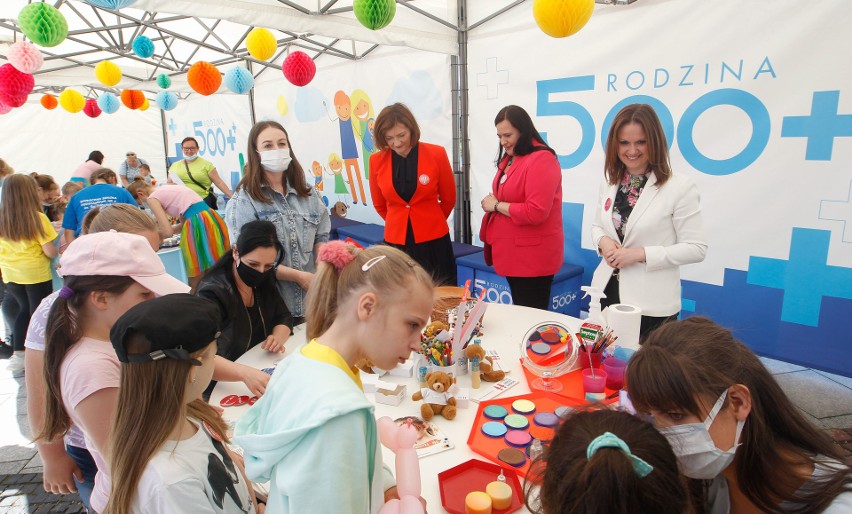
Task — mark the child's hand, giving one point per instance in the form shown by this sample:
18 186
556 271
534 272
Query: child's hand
393 494
255 380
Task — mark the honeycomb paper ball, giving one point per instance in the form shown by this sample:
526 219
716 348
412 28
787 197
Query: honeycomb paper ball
375 14
562 18
14 85
145 105
72 101
110 4
143 46
299 68
4 108
204 78
108 103
24 56
43 24
166 100
261 44
281 104
49 102
239 80
132 98
91 108
164 81
108 73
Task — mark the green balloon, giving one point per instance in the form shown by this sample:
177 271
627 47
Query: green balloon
374 14
43 24
164 81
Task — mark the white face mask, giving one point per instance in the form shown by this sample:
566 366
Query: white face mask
696 452
275 161
191 157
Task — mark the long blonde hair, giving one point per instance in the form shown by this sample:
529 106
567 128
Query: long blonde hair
150 404
19 211
121 217
331 287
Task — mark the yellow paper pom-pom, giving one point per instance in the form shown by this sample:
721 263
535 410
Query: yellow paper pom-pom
282 105
108 73
261 44
72 101
562 18
145 105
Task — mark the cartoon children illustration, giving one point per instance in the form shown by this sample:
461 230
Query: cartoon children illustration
335 166
363 111
349 151
317 170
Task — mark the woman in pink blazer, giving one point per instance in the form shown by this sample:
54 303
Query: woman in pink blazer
647 222
523 220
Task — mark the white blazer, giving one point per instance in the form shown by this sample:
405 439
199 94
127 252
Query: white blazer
666 222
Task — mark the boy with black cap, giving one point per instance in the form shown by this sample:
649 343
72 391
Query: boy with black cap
167 445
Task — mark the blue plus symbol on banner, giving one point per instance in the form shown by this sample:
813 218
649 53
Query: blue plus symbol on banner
172 126
231 133
805 278
820 127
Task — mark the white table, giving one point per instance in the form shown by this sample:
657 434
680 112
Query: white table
504 327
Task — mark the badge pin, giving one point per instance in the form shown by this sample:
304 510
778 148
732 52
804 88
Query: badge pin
423 179
503 179
608 204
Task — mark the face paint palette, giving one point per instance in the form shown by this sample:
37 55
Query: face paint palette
526 418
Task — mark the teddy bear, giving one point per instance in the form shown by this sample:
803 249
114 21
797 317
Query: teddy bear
433 329
438 396
339 210
485 370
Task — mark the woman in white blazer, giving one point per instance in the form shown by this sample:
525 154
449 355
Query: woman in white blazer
647 222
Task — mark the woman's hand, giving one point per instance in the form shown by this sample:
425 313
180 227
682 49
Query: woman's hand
620 257
273 343
255 380
304 279
489 203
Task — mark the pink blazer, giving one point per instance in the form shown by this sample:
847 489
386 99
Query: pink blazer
530 242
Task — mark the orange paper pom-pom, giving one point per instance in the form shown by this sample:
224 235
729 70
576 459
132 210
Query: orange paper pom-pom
132 98
49 102
204 78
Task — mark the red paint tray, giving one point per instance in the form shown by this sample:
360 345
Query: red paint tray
474 475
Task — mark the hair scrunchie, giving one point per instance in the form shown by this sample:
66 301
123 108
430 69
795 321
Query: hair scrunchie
336 253
66 292
610 440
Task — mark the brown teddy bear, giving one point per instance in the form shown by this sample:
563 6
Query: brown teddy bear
486 372
433 329
438 396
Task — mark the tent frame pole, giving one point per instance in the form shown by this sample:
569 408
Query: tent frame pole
461 137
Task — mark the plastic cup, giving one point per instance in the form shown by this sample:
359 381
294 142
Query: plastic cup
614 369
594 383
583 357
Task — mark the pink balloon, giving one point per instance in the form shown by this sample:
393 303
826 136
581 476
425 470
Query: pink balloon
400 440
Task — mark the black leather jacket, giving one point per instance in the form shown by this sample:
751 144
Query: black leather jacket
237 335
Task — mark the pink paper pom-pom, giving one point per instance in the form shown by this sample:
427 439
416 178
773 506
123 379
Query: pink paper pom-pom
25 57
336 253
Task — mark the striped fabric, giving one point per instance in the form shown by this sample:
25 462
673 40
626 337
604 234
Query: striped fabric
203 239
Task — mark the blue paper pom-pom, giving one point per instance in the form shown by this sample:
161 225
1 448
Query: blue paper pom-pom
110 4
239 80
108 103
166 100
143 46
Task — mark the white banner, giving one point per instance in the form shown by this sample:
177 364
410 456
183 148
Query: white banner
758 112
315 122
220 123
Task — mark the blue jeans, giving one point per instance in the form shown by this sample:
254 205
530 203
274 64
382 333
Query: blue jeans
89 469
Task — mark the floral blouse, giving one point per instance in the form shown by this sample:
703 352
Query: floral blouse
625 199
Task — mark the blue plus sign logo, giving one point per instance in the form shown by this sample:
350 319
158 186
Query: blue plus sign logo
172 126
231 133
821 127
805 278
492 78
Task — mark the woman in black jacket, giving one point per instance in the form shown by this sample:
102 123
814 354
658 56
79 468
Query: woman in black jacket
242 284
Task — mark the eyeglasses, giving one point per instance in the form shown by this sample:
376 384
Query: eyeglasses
131 154
190 148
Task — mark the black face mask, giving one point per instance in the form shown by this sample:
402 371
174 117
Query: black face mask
251 276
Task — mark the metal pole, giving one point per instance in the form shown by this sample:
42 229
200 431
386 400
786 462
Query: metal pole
461 139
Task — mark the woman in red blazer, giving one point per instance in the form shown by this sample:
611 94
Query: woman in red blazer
523 220
414 191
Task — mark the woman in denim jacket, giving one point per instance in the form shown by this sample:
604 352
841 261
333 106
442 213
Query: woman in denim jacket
274 188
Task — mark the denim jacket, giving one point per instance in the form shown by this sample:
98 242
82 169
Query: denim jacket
301 223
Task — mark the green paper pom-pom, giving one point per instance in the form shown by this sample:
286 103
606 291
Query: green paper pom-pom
374 14
43 24
164 81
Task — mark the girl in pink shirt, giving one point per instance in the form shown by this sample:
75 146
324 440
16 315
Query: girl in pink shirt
203 233
80 367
